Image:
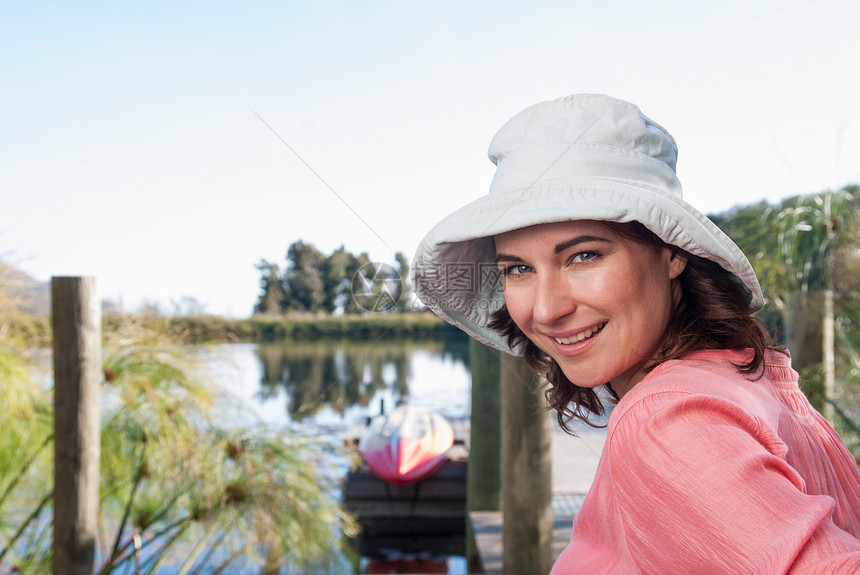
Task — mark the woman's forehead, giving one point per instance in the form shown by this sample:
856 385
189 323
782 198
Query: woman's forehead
548 231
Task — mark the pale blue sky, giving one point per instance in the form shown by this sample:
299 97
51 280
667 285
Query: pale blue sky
131 149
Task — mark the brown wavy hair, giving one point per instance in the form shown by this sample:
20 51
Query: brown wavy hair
712 313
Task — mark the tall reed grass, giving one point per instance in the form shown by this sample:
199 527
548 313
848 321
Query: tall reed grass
181 484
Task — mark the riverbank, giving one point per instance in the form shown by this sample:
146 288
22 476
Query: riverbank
35 331
200 329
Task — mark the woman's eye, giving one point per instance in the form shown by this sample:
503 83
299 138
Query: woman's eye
516 270
582 257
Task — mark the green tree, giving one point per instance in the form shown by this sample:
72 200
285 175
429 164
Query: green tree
814 233
273 298
402 267
800 249
337 272
304 278
353 306
341 282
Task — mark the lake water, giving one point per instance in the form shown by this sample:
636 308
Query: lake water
336 384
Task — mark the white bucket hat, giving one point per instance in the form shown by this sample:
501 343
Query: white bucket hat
582 157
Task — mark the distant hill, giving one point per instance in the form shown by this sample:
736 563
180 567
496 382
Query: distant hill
28 294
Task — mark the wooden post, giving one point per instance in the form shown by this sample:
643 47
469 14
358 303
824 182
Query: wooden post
484 477
485 438
526 473
76 322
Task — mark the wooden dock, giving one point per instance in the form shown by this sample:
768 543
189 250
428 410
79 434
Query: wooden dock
428 516
574 463
431 515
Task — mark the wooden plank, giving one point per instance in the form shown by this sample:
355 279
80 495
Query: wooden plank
401 509
437 542
486 527
359 489
411 527
448 482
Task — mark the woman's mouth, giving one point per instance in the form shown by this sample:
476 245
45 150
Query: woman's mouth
581 336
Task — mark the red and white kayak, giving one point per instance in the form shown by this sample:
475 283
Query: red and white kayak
407 445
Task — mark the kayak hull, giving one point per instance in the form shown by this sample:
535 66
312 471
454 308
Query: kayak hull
407 445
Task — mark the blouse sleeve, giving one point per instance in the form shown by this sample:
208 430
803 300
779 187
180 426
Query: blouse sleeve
703 487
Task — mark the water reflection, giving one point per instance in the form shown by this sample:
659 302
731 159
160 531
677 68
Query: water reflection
343 373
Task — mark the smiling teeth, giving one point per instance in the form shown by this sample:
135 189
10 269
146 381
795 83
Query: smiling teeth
581 335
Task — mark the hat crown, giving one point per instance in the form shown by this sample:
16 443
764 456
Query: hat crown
583 136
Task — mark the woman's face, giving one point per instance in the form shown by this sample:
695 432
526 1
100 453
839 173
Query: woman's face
595 302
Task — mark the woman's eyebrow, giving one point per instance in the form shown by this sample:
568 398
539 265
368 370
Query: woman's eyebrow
558 248
507 258
576 241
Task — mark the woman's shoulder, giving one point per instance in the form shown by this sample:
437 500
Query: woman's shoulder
707 382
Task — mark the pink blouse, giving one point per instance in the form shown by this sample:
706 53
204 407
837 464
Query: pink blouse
705 471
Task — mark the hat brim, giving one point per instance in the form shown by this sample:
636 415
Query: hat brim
454 270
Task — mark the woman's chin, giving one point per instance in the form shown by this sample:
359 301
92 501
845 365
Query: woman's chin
585 382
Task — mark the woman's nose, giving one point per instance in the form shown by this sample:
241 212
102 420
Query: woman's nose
552 300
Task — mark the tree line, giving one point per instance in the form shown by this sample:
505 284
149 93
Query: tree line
341 282
805 252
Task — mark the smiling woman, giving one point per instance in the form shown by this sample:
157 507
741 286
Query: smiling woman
715 462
